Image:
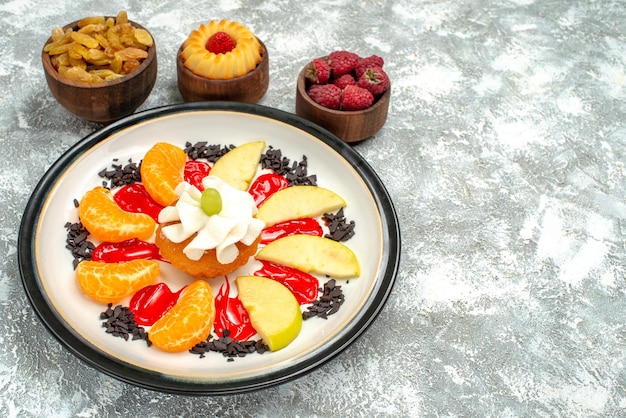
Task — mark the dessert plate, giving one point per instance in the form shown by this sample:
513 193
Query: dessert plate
49 280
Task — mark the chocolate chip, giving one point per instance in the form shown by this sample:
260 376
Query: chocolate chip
201 149
339 228
76 242
120 322
274 160
228 346
296 173
328 303
121 175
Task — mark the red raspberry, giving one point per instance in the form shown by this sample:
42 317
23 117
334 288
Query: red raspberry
318 71
344 81
356 98
220 43
368 62
375 80
327 95
342 62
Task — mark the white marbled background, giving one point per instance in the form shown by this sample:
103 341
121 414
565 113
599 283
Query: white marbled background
504 153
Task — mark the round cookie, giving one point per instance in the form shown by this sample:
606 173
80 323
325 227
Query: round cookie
239 61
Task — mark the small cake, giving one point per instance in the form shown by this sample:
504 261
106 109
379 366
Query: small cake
209 245
219 63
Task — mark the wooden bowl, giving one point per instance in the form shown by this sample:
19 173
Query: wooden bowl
249 88
350 126
106 101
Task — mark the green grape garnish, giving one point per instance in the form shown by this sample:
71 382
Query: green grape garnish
211 201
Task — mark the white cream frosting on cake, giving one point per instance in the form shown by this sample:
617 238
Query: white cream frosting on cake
234 223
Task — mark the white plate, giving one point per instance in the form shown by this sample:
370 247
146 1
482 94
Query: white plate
49 279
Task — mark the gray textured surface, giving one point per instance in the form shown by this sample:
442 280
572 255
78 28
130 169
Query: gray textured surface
504 153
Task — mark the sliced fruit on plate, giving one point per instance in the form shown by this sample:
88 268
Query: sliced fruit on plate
111 282
106 221
312 254
274 311
299 202
238 166
188 322
162 170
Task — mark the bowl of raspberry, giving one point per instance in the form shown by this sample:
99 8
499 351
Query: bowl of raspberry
345 93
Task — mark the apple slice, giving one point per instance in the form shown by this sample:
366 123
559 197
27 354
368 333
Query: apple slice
238 166
312 254
274 311
297 202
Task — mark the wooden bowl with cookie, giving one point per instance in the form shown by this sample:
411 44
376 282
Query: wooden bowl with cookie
223 61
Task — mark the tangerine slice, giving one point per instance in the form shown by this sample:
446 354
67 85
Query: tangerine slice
162 170
111 282
187 323
106 221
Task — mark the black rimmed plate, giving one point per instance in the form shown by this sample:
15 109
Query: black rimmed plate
49 280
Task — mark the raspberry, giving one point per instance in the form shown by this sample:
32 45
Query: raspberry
342 62
327 95
318 71
344 81
220 43
368 62
356 98
375 80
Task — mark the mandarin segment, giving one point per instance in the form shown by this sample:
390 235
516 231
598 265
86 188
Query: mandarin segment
187 323
106 221
111 282
162 170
